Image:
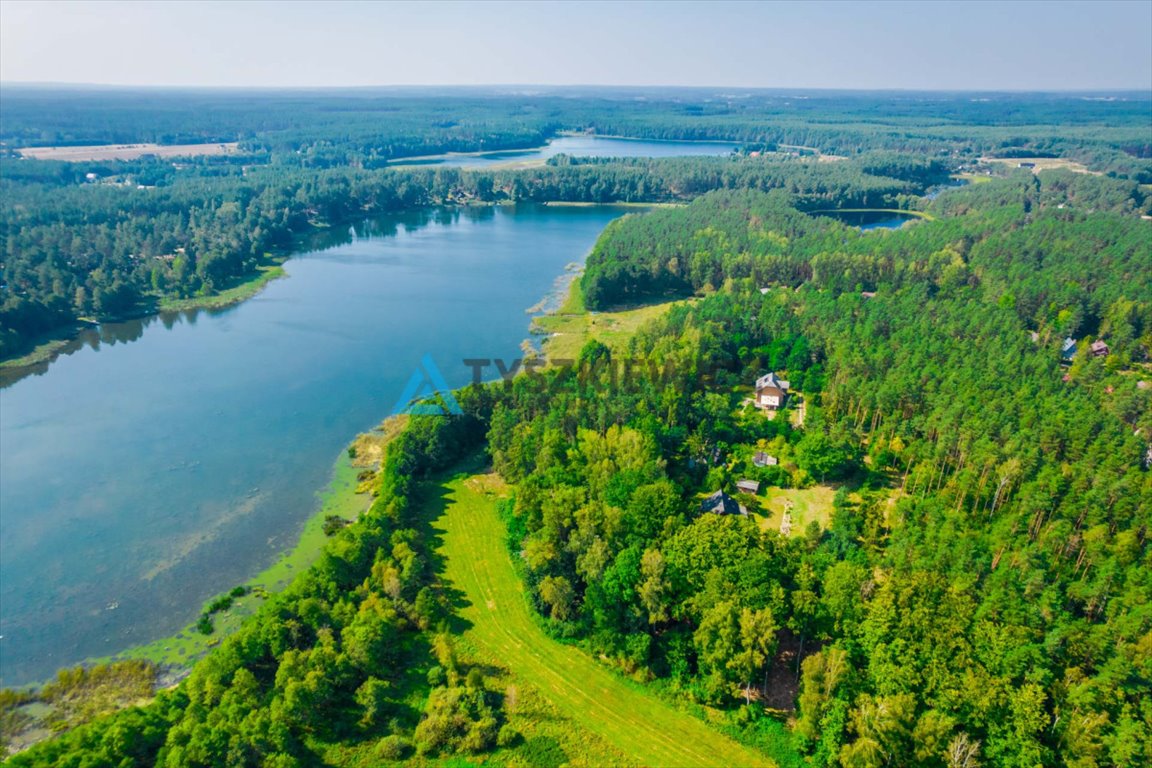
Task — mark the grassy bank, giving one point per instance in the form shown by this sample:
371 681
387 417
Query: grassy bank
571 326
52 344
245 289
47 347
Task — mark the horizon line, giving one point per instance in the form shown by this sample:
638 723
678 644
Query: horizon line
1144 90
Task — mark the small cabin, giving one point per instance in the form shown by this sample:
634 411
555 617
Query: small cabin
1099 349
761 459
771 392
1068 350
748 486
721 503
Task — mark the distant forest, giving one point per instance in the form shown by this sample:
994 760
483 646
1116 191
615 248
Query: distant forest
103 240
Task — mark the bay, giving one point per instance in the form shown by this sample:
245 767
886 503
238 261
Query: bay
164 460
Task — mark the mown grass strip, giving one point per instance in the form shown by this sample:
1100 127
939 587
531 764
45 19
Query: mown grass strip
643 727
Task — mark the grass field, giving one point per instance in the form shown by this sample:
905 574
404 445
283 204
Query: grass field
125 151
808 505
972 178
502 629
571 327
1041 163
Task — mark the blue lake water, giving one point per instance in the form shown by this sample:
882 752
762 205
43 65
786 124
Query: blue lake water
869 220
579 146
165 460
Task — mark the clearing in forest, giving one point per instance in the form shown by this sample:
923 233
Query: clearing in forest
478 564
572 326
81 154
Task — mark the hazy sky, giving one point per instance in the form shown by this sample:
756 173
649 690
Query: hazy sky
943 45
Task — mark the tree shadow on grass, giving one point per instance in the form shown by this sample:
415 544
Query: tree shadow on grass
430 505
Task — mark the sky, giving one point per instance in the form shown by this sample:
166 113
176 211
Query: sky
1033 45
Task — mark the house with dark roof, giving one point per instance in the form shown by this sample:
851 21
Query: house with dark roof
721 503
1068 350
771 392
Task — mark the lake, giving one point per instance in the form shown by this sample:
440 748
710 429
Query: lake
577 146
867 220
165 460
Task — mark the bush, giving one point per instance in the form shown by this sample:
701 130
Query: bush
221 603
394 747
332 524
507 737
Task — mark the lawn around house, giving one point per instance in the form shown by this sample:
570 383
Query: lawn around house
807 505
503 630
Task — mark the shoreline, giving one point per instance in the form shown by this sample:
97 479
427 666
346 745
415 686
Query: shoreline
431 160
176 653
914 214
346 495
52 344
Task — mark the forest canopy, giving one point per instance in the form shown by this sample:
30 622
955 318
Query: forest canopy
973 583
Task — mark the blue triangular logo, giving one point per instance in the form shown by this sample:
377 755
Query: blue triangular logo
425 383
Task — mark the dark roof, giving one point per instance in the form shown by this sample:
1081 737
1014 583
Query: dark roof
721 503
771 380
1068 349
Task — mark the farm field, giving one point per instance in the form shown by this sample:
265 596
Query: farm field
1040 163
83 154
502 628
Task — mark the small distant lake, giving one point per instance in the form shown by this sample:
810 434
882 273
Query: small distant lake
578 146
868 220
164 460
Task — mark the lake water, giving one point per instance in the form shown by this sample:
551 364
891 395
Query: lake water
579 146
867 220
165 460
